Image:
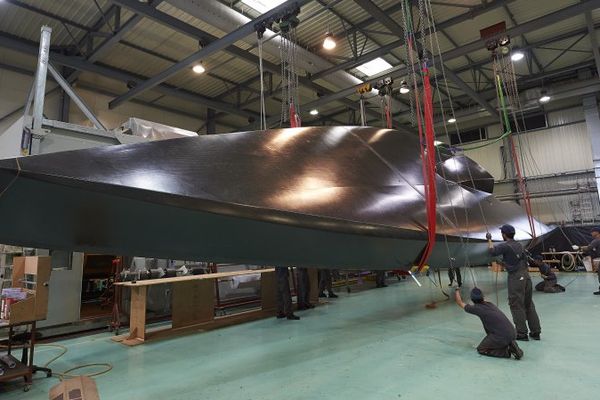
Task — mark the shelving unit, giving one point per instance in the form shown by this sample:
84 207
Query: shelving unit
32 275
7 253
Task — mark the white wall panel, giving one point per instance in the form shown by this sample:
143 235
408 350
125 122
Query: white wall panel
490 158
562 149
565 116
548 151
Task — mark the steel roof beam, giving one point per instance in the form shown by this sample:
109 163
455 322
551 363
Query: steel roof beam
479 10
393 27
204 52
541 22
182 27
592 32
81 64
48 14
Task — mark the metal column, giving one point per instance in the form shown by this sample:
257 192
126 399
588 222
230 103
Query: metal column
85 109
592 121
40 88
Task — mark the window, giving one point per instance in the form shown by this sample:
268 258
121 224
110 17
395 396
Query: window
61 259
472 135
529 122
262 6
374 67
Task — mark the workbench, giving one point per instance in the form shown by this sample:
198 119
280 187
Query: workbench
192 305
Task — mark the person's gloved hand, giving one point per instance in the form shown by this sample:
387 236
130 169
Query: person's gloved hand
488 236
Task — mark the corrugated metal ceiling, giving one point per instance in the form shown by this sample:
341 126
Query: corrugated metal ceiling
173 45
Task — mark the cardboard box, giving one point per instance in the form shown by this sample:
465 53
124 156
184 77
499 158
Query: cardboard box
80 388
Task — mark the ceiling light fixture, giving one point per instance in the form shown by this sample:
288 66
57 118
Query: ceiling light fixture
452 120
314 112
517 55
199 68
404 87
329 42
544 98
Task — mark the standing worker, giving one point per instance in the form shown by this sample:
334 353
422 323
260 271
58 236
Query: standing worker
303 289
325 283
593 250
500 339
519 283
380 279
452 272
284 295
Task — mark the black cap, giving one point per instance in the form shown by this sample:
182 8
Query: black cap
476 294
509 229
596 229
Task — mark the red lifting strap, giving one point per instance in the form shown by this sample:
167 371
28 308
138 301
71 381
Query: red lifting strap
294 118
428 160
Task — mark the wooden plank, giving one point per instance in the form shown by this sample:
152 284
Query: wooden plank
137 313
268 288
42 267
219 322
193 302
150 282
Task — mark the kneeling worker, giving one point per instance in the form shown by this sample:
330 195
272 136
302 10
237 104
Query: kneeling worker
549 284
501 335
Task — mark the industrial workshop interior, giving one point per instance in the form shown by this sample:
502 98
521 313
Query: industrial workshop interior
299 199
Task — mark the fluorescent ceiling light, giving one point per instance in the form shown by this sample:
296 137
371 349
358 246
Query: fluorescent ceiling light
262 6
517 56
452 120
437 143
314 112
404 87
329 42
198 68
545 98
374 67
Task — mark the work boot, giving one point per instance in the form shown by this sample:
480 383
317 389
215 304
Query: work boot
515 350
322 294
522 338
333 295
293 317
280 315
535 336
598 292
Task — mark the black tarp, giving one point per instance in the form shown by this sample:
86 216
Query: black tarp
561 238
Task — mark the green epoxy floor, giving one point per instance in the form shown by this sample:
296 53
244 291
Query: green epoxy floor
372 344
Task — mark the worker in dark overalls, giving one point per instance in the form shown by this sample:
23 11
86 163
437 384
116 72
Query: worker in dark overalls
325 283
284 295
500 338
519 283
303 289
380 279
593 250
452 272
550 282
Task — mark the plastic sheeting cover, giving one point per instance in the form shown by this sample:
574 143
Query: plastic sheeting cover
153 130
